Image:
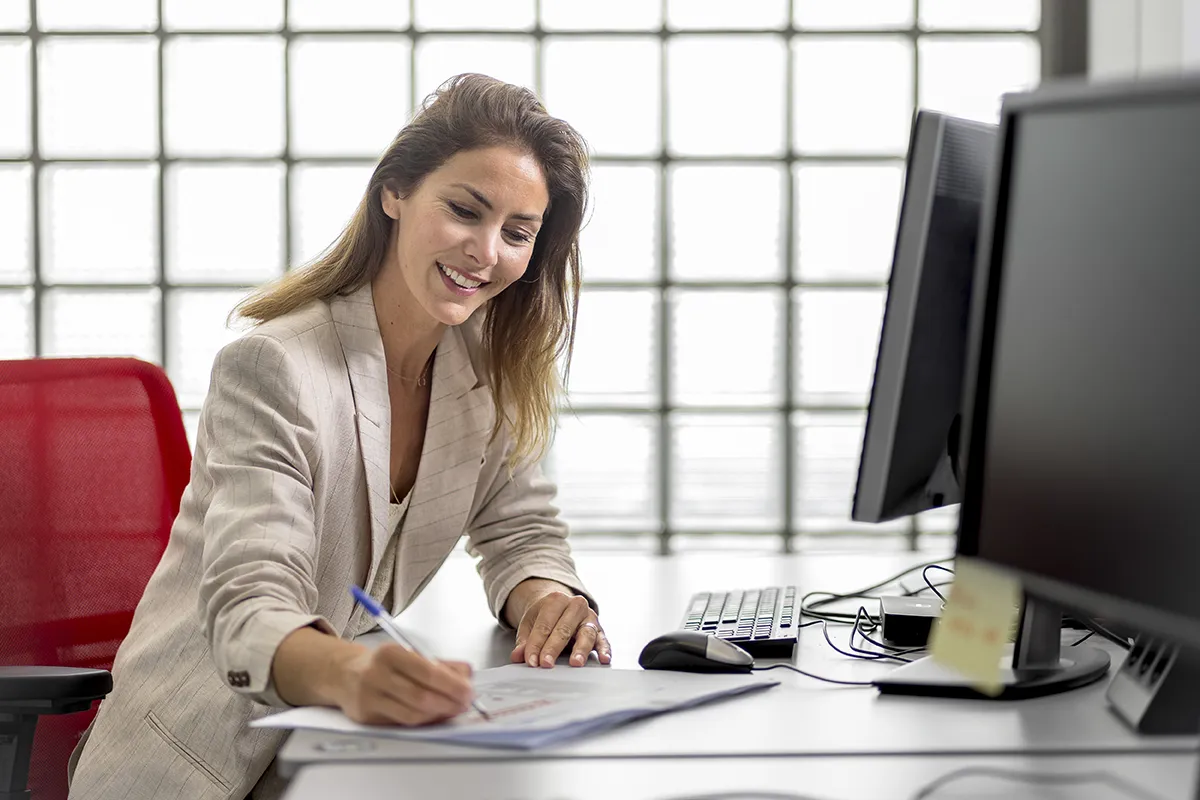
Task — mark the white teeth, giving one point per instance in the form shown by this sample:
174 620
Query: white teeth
458 278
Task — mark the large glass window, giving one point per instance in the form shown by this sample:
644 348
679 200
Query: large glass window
747 172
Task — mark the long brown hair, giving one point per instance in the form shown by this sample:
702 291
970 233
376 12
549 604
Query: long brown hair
529 326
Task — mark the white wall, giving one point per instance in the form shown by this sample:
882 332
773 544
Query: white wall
1142 37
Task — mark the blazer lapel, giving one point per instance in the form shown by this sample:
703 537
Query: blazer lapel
358 329
460 422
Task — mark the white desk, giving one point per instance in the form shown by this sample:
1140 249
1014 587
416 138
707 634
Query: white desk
642 596
1167 777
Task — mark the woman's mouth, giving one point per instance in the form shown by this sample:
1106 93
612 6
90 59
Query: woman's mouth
457 282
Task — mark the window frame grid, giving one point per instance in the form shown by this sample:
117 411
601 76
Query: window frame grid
1061 36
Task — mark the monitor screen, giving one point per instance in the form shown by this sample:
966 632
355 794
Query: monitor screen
909 452
1083 471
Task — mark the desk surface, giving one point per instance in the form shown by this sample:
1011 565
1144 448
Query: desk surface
642 596
1168 777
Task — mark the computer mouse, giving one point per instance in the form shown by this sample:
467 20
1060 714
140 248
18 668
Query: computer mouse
694 651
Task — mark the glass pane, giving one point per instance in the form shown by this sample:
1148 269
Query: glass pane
82 322
606 469
14 15
619 240
852 95
89 15
98 97
838 335
616 342
1021 15
612 15
846 221
224 223
16 324
15 139
220 15
475 14
191 423
726 95
828 447
726 472
698 14
858 15
196 330
324 199
16 198
328 74
224 96
743 240
508 58
726 347
358 15
585 96
99 224
966 76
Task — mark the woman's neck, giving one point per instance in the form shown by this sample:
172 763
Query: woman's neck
409 334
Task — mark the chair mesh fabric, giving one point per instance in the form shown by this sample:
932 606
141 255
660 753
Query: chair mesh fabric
93 461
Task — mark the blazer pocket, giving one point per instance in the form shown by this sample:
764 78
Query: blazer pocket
156 725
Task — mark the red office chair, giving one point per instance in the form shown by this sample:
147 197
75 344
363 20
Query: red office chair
93 460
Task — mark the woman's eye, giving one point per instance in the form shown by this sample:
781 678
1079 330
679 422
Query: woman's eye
520 236
461 211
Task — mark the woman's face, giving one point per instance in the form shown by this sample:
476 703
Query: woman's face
468 231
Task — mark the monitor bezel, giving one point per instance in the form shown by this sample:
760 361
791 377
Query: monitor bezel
984 308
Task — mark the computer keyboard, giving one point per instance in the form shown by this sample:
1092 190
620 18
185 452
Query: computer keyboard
763 622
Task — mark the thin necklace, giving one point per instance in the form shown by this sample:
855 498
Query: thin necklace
419 381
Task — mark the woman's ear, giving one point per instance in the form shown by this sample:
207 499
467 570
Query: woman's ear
389 199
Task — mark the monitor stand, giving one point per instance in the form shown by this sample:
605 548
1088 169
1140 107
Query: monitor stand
1040 665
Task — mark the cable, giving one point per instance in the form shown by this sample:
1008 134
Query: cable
1086 636
1115 781
811 675
929 583
904 651
858 629
809 608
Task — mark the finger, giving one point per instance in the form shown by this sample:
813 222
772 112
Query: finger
526 624
425 704
603 648
461 667
545 613
585 641
428 675
564 629
381 708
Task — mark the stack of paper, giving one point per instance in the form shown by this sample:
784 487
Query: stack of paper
535 707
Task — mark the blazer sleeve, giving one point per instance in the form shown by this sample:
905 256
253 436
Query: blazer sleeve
260 543
517 533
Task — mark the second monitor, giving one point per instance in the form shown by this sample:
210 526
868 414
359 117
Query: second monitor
910 449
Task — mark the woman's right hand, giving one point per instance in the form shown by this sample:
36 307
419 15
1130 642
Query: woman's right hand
394 686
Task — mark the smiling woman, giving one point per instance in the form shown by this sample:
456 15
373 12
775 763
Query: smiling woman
396 393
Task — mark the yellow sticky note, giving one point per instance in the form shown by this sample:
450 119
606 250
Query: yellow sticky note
975 624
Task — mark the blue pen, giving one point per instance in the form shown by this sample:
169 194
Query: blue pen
385 622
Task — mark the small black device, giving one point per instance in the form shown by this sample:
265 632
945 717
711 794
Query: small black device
907 621
910 449
693 651
763 622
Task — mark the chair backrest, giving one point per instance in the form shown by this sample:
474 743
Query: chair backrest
93 461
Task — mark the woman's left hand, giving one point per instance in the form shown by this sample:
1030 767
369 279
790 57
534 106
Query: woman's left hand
552 622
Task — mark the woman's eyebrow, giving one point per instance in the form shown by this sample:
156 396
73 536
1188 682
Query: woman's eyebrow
478 195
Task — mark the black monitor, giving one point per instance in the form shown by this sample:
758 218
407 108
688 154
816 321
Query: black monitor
910 447
1083 396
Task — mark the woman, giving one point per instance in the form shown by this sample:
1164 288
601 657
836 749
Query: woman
396 394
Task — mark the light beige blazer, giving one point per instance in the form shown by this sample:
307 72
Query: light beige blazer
287 506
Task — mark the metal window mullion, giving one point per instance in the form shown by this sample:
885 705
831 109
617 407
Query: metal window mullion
913 530
35 196
790 235
161 160
664 305
288 163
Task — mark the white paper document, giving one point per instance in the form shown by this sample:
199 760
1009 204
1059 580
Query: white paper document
536 707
